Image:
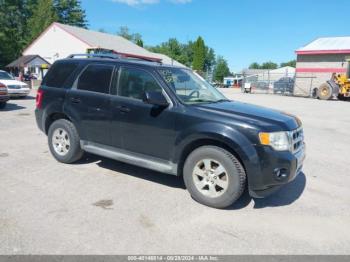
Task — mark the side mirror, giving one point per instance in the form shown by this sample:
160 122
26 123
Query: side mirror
155 98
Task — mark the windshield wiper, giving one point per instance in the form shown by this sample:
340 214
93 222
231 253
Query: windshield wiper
222 100
208 101
202 101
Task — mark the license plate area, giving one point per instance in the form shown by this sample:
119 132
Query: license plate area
300 156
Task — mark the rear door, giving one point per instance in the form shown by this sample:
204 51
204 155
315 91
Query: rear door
88 102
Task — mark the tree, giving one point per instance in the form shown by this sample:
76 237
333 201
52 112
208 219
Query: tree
266 65
70 12
184 53
133 37
254 65
43 15
172 48
221 69
291 63
13 16
199 55
269 65
124 32
209 59
139 42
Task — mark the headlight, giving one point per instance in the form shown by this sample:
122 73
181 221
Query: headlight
279 141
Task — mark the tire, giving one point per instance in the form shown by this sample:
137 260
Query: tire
205 186
2 105
64 142
325 92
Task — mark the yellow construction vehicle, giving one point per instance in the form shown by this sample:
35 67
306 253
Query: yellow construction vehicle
338 86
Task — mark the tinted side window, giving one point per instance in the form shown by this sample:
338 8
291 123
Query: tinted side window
96 78
59 73
134 82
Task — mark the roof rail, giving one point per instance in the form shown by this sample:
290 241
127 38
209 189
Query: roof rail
116 55
140 57
112 56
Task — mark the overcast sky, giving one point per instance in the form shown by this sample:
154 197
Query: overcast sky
242 31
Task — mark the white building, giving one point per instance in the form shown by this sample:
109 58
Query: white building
59 41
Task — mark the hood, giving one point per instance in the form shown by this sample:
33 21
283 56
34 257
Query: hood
12 82
267 119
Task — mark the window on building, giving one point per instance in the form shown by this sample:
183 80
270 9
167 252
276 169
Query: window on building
96 78
134 82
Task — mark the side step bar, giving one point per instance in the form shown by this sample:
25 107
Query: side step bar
125 156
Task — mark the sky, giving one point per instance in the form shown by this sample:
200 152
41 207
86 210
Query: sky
242 31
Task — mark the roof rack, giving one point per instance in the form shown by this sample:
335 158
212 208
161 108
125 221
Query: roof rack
117 55
112 56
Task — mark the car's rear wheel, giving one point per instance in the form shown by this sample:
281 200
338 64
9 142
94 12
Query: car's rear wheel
64 141
214 176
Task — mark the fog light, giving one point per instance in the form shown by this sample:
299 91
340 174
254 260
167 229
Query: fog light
280 173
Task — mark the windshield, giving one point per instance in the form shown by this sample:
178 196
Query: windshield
5 76
191 88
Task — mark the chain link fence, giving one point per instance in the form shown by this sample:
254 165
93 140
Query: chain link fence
284 83
269 82
306 85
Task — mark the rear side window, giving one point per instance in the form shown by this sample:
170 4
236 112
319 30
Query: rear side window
59 73
96 78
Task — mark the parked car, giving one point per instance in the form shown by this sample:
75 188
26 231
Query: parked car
4 97
15 88
284 85
168 119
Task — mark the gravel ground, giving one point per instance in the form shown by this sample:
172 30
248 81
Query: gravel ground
100 206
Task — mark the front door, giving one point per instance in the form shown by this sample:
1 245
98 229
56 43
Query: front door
146 129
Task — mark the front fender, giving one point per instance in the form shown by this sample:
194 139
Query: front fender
229 136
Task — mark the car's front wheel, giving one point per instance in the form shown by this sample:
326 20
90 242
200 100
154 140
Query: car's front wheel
214 176
64 141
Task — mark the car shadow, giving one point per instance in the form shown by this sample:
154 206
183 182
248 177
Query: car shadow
28 97
287 195
11 107
135 171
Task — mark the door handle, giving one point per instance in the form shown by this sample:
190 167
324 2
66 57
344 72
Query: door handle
75 100
124 109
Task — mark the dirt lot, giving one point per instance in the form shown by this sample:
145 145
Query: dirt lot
100 206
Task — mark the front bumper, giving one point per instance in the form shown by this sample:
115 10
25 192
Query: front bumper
18 92
4 98
277 169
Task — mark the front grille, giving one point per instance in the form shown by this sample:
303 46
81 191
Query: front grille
297 137
14 87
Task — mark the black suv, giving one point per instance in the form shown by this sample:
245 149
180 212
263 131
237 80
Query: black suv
170 120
